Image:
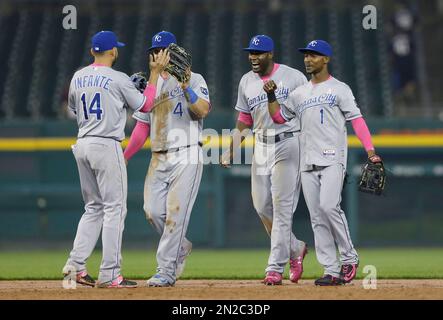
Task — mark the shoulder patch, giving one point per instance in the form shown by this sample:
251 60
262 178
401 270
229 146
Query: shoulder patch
204 90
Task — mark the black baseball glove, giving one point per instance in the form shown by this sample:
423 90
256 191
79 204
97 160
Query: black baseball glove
140 80
373 176
180 63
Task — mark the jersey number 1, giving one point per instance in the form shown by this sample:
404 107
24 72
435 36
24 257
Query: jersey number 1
94 106
321 115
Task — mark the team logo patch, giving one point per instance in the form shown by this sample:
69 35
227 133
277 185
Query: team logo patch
329 152
204 90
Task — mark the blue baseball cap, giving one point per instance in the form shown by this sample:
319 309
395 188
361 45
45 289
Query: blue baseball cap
318 46
162 40
260 43
105 40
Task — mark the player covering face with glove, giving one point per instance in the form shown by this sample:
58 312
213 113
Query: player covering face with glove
323 106
174 123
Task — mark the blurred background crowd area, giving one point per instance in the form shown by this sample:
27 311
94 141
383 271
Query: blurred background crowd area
393 70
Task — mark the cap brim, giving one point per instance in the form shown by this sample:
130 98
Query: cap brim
304 50
120 44
255 49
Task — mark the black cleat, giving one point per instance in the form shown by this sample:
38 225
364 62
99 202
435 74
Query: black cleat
328 280
82 278
119 282
348 272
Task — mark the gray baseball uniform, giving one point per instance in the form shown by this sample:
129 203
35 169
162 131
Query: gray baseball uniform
323 110
98 95
275 174
175 170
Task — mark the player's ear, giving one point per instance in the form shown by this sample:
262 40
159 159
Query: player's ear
326 59
92 52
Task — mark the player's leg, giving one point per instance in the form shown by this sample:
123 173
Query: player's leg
285 189
330 199
106 159
261 194
182 193
89 227
324 240
155 192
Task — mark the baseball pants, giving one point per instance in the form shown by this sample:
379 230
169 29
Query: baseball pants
322 189
103 181
171 187
275 192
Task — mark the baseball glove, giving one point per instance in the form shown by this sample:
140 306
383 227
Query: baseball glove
140 80
179 64
373 177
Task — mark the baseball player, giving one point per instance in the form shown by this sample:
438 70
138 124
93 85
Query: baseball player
275 167
174 174
323 106
98 95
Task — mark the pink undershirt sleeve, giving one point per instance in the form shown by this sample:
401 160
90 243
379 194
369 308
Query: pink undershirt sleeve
277 117
149 93
362 132
246 118
137 140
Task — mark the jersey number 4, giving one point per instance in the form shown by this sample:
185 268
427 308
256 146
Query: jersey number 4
94 106
178 109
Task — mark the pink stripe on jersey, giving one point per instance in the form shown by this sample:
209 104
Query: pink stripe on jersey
137 140
246 118
97 65
362 132
149 93
266 78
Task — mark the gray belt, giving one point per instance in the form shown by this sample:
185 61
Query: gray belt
176 149
277 138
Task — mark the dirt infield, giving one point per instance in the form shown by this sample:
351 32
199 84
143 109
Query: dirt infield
227 289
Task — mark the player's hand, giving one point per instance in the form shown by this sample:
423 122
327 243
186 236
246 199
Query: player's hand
158 61
269 86
185 84
374 158
226 159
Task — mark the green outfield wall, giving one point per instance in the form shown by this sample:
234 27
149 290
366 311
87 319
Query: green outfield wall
40 199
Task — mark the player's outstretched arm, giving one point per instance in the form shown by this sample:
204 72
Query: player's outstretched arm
137 140
242 129
273 106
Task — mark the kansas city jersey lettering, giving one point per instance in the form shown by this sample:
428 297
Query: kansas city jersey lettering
327 99
177 93
281 94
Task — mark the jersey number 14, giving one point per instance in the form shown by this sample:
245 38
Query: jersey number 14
94 106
